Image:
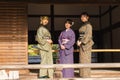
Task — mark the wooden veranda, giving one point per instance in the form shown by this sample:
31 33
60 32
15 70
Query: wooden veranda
14 54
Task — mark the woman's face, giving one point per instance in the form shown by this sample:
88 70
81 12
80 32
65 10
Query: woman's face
67 25
44 22
84 18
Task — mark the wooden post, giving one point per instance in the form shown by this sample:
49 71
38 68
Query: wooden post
58 73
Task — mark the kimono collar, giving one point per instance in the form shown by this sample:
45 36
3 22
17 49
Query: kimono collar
85 23
45 26
67 29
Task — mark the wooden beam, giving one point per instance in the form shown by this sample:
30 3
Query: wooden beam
71 16
38 66
109 10
106 50
97 50
67 1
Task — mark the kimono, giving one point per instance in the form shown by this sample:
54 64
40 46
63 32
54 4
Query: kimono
45 50
85 37
67 38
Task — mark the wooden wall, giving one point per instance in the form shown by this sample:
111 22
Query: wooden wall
110 24
13 34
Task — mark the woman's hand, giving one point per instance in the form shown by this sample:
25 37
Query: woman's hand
62 47
49 41
78 43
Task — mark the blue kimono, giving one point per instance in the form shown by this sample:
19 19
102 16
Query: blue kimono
67 38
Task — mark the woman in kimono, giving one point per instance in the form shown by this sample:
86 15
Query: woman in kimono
66 42
85 43
43 38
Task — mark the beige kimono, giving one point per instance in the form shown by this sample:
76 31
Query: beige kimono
45 50
85 38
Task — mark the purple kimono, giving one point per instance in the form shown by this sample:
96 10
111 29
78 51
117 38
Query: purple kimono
67 38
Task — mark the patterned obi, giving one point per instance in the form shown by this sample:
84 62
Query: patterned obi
65 41
81 35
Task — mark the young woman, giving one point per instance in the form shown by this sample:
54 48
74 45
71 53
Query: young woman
43 38
66 42
85 43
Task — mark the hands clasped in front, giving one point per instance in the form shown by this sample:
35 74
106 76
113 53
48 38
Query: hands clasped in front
78 43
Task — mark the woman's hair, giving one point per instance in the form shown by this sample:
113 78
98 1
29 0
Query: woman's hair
84 13
42 18
69 21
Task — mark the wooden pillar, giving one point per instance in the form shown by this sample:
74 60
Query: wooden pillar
111 35
58 73
52 20
100 55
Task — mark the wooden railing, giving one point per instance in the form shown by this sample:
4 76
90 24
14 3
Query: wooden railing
38 66
61 66
97 50
106 50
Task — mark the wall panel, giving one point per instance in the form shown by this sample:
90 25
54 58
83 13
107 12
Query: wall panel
13 34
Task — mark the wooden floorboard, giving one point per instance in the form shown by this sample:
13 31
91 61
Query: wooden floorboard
76 79
96 74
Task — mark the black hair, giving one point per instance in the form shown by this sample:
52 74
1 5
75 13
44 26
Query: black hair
84 13
69 21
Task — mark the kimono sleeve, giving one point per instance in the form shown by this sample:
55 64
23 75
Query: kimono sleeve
59 39
71 41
